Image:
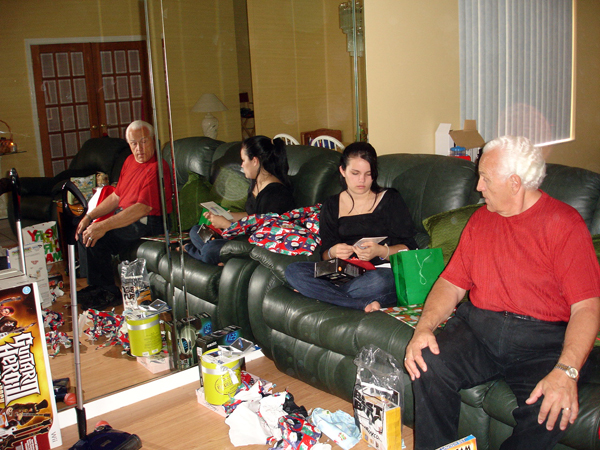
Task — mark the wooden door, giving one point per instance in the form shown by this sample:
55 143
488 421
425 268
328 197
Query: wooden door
86 90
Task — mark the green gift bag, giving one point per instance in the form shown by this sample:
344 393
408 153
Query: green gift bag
203 220
415 271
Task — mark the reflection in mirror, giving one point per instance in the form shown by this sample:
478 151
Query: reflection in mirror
88 78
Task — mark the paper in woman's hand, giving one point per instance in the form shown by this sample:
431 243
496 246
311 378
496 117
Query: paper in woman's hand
364 240
217 210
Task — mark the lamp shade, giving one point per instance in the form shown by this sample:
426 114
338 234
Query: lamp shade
209 103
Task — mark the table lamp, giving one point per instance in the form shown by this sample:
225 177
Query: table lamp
209 103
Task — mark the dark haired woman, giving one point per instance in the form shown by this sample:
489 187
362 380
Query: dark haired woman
362 209
265 163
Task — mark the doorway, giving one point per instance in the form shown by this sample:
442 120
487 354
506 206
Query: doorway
86 90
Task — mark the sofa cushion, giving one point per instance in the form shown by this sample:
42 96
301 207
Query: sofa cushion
445 228
230 189
195 191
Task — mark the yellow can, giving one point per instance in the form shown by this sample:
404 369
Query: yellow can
221 376
144 335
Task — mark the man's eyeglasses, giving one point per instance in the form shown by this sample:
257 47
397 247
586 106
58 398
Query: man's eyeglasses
142 141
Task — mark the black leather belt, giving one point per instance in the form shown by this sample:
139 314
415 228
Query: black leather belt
531 319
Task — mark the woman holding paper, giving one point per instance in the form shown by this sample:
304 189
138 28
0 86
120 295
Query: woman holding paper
264 162
362 210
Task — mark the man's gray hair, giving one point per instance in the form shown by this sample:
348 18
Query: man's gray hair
138 125
519 157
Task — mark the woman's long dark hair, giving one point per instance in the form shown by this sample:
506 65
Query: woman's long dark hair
365 151
271 155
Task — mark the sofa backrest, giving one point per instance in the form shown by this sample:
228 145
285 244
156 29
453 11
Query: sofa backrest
577 187
192 154
312 170
105 154
429 184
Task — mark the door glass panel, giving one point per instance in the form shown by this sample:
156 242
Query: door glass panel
56 147
64 87
68 117
106 63
134 60
122 87
53 119
47 64
136 86
125 113
77 63
111 114
58 167
80 90
83 117
120 62
62 64
71 146
109 88
49 88
84 136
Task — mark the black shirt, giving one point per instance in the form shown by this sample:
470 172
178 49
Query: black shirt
390 218
273 198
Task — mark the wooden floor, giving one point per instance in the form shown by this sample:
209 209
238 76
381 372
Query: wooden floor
175 421
104 370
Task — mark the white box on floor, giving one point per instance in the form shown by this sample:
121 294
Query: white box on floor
155 363
35 260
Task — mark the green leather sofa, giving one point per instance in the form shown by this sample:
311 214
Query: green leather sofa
317 342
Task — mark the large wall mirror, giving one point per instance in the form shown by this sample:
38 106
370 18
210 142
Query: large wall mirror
278 66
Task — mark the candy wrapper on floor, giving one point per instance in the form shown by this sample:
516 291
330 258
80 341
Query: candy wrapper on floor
135 283
378 397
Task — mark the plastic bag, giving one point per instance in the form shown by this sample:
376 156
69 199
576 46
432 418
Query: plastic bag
378 398
135 283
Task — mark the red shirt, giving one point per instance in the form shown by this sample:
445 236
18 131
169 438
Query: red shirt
138 183
537 263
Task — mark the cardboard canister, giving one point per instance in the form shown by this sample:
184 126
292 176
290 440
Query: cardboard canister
221 377
144 335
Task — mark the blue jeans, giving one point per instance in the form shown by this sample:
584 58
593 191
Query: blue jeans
374 286
476 346
207 252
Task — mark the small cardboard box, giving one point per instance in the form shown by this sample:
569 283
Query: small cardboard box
380 420
468 138
188 329
37 271
466 443
156 363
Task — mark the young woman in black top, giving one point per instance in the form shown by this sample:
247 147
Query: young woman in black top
362 209
265 163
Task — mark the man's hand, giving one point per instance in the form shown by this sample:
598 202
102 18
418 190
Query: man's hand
414 358
83 224
93 233
560 394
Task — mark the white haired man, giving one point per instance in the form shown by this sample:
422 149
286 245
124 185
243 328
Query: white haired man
137 207
534 310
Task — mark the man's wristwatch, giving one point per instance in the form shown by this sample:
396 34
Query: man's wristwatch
571 372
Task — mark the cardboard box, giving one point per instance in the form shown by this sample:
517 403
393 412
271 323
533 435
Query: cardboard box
183 348
466 443
156 363
468 137
37 271
380 420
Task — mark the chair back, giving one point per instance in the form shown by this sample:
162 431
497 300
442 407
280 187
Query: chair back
327 142
289 140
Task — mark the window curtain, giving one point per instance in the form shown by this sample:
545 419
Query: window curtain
516 62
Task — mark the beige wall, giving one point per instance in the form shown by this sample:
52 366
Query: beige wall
413 77
412 72
584 151
202 58
301 71
59 19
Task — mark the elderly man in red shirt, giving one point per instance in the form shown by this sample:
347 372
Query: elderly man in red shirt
137 212
528 262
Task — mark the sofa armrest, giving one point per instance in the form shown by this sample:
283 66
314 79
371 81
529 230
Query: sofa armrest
37 186
277 263
236 248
